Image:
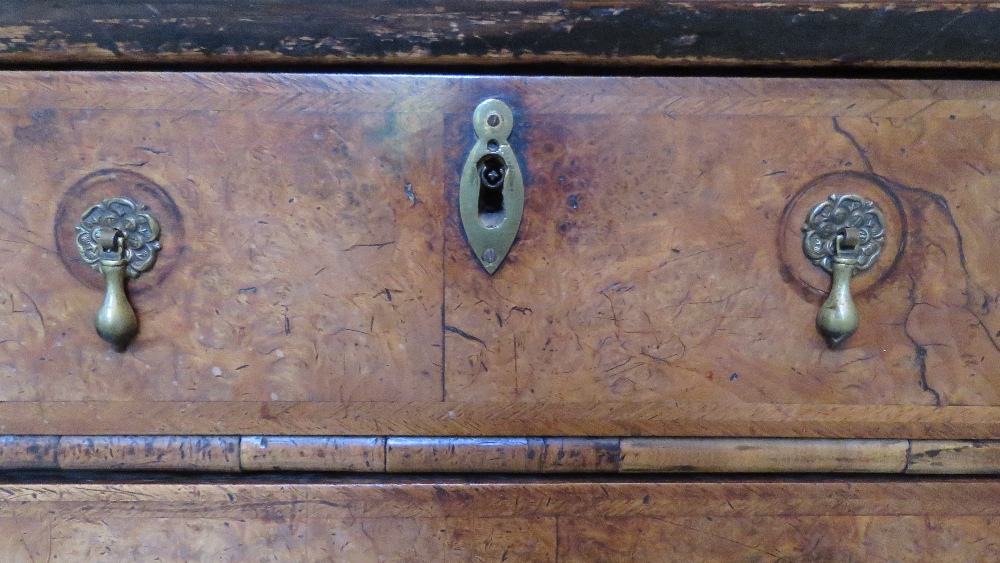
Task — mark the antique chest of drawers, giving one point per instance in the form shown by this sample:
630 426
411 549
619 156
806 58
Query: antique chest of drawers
351 316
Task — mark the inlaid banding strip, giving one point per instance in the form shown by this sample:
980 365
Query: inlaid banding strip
502 455
152 453
954 457
729 455
311 453
28 452
380 454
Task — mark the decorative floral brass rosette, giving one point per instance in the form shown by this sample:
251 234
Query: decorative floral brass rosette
830 219
139 229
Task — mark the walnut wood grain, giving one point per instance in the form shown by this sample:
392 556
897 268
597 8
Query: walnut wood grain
315 281
520 520
309 453
497 455
687 303
297 249
28 452
496 498
149 453
952 457
437 454
502 455
503 419
522 33
795 538
687 455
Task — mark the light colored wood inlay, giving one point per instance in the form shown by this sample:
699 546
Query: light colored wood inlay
312 453
954 457
695 455
28 452
502 455
161 453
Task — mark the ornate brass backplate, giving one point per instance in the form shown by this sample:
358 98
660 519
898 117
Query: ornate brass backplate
843 235
119 238
491 194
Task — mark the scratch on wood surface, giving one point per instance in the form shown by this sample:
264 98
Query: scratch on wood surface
464 334
371 245
861 151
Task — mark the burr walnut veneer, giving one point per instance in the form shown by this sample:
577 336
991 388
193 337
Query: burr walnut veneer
315 307
314 278
501 520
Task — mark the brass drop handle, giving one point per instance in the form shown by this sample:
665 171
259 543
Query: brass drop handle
843 235
838 317
119 239
116 321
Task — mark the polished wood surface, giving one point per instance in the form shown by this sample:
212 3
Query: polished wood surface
358 454
693 455
511 520
28 452
152 453
942 456
315 279
510 455
502 455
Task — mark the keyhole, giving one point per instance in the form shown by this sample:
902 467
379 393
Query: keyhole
492 173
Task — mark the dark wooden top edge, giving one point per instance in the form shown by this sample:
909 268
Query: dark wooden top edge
486 35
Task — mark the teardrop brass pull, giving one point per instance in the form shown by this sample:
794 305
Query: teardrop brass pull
491 194
843 235
120 239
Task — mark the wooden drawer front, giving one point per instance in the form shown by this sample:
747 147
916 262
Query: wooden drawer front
511 520
315 278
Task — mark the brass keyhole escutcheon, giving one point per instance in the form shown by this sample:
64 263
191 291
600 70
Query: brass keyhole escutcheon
843 235
491 194
120 239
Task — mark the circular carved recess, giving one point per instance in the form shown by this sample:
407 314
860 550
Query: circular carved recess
812 279
94 188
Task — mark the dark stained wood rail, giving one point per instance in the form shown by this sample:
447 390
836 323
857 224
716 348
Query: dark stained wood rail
524 33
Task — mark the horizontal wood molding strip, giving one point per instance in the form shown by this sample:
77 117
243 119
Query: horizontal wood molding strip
399 455
455 418
151 453
953 456
395 497
707 455
519 32
28 452
503 455
313 453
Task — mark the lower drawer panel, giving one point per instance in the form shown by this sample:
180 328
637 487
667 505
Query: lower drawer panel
503 520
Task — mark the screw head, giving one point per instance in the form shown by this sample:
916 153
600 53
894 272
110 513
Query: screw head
490 256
